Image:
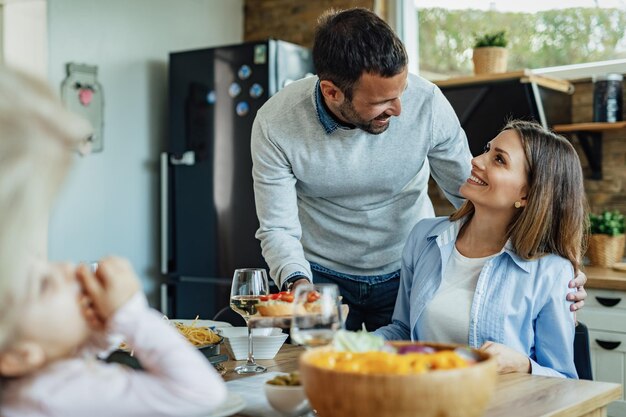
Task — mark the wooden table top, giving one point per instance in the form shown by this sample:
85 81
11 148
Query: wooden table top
605 278
516 394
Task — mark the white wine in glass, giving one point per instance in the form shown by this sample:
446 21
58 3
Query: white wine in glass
317 314
245 305
248 285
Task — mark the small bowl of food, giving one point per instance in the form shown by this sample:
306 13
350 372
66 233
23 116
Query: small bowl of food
286 395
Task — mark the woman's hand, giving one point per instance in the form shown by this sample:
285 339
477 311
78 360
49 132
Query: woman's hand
508 359
579 296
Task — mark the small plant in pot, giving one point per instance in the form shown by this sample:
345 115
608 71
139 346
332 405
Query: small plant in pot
606 238
490 53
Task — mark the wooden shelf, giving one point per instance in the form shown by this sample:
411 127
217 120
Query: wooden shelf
525 76
589 127
590 137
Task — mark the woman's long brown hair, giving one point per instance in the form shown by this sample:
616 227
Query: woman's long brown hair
554 219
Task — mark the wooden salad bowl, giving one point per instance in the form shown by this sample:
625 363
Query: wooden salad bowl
461 392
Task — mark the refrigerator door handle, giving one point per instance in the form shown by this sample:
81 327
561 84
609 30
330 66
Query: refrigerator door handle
164 211
188 158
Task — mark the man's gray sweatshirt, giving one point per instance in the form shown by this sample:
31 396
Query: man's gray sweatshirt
348 199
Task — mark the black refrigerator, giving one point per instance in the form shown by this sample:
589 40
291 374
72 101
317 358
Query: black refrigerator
208 216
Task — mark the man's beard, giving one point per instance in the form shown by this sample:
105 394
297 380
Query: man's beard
349 113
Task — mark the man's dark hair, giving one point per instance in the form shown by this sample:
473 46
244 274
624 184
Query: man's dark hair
351 42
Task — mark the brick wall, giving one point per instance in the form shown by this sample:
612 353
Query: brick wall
290 20
610 192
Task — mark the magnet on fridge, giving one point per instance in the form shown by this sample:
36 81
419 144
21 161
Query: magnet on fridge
256 90
242 108
210 97
234 90
244 72
260 54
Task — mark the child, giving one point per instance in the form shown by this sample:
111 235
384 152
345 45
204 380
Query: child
37 136
46 375
50 314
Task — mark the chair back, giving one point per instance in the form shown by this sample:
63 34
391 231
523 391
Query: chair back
582 352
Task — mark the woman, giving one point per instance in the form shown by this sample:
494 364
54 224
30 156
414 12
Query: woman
495 273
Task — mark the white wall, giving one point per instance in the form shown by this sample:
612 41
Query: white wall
24 40
110 204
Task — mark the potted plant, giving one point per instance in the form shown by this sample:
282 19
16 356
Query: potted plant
490 53
606 238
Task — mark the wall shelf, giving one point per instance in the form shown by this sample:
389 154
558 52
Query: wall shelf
590 137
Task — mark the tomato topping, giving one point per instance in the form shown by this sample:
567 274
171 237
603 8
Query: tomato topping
312 297
264 298
287 297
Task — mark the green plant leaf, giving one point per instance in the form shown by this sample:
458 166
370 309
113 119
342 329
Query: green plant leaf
608 222
491 39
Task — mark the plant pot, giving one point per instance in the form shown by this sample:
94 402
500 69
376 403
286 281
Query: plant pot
490 59
605 250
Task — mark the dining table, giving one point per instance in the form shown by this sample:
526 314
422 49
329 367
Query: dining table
516 394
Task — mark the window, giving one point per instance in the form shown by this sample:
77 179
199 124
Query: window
541 33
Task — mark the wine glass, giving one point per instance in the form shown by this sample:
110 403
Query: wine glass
317 314
248 285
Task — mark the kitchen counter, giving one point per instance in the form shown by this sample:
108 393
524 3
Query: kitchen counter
605 278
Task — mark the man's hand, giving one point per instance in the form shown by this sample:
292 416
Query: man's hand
579 296
112 285
297 283
508 359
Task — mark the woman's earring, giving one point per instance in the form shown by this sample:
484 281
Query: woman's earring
517 204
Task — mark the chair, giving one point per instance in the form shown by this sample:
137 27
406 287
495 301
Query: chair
229 316
582 356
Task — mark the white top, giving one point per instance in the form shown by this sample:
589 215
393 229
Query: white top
447 316
177 380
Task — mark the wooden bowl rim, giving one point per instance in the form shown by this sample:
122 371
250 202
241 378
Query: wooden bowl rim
487 360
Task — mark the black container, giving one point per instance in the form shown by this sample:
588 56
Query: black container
607 98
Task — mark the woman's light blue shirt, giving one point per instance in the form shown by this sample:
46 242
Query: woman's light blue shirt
519 303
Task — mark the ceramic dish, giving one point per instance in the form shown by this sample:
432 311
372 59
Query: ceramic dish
266 342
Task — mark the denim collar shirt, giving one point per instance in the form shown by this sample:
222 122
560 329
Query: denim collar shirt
328 122
519 303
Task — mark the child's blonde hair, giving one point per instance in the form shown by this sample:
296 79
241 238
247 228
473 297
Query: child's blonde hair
37 136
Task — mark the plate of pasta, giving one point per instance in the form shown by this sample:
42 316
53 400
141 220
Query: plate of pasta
200 333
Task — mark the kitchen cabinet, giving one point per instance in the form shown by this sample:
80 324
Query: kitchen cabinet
605 316
484 103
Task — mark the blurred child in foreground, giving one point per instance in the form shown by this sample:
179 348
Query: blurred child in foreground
53 314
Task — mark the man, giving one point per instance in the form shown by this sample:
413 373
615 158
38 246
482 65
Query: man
340 178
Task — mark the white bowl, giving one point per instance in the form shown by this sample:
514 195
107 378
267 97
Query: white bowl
266 342
290 401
